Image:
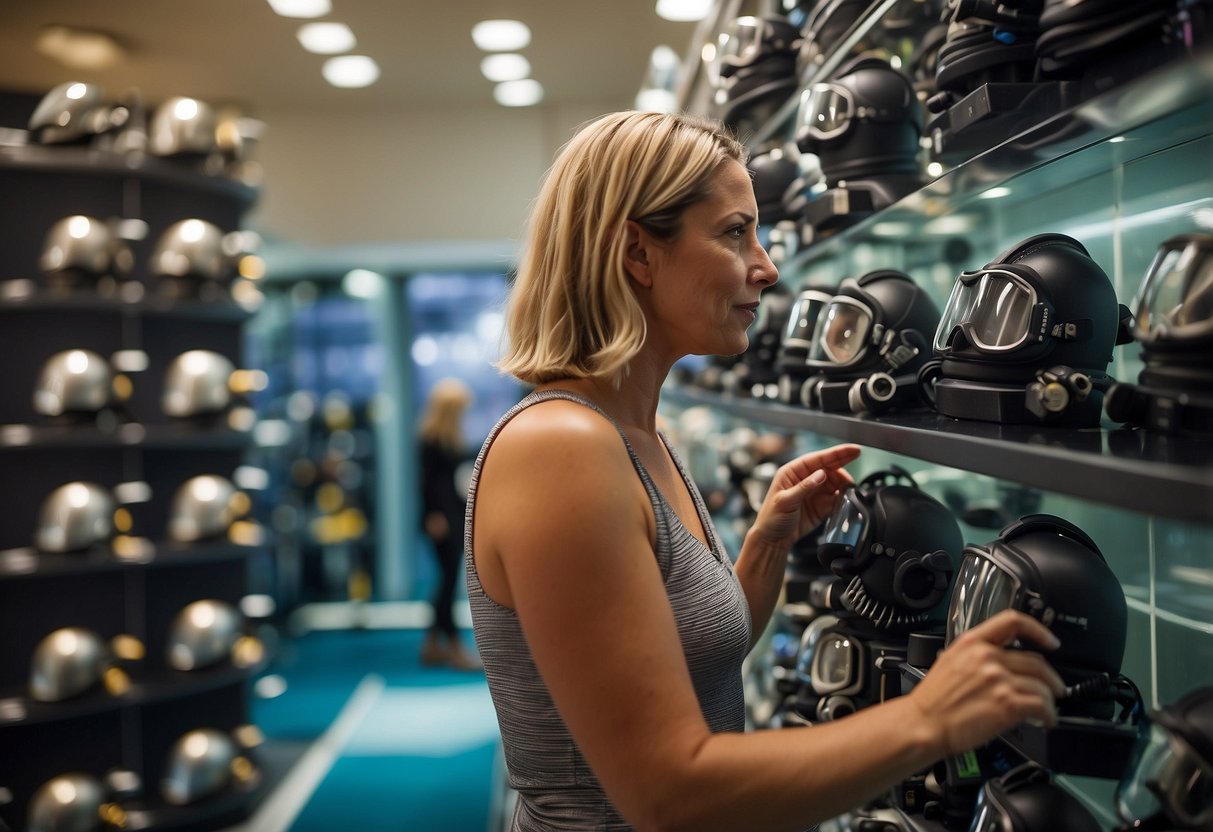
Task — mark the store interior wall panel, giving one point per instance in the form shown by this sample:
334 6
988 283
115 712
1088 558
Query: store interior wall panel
39 334
34 606
29 476
1183 579
1184 654
33 754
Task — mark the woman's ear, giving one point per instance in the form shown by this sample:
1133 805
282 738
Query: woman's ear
636 253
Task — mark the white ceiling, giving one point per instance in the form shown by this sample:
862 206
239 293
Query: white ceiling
239 52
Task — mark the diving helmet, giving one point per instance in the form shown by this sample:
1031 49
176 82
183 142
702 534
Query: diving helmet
74 383
987 41
199 765
182 126
1168 782
868 344
826 25
74 112
197 383
68 803
793 359
754 69
1026 799
204 507
80 251
1028 337
755 371
1173 322
865 122
841 667
897 545
203 633
74 517
773 172
1076 33
1050 569
66 663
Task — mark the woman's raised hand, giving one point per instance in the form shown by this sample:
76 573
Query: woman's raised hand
802 494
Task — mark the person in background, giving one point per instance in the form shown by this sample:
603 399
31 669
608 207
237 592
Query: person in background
611 623
443 450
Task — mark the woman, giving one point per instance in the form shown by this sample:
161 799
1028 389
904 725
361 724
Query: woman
611 624
442 451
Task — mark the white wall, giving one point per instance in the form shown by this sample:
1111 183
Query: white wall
444 175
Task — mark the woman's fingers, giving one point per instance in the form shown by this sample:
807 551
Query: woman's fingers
1009 625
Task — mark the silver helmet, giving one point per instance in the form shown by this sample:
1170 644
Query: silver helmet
191 248
182 127
204 507
67 663
199 765
71 112
203 633
75 516
74 381
197 383
80 249
67 803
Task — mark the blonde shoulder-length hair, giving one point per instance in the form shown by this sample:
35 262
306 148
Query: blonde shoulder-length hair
572 312
442 419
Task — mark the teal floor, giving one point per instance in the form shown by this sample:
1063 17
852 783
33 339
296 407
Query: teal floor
379 742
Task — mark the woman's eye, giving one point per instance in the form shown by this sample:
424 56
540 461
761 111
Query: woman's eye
736 232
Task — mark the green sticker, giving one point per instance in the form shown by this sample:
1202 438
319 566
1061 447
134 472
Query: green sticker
967 765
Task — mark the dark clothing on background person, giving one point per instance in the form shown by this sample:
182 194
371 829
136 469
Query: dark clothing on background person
440 495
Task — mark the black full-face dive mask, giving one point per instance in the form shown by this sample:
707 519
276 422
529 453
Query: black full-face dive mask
843 668
1168 783
792 362
1026 800
1173 321
1050 569
868 344
898 547
1028 337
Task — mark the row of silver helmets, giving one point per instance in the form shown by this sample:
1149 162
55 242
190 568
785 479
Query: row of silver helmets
201 763
77 384
81 515
192 258
179 129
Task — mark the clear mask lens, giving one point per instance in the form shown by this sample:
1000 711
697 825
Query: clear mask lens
739 44
992 307
825 111
982 589
988 817
1177 294
842 333
836 665
803 318
1165 775
846 524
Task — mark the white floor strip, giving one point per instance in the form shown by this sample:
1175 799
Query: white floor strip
280 808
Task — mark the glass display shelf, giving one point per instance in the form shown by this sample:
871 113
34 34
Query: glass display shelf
1133 469
19 296
28 562
129 435
1162 109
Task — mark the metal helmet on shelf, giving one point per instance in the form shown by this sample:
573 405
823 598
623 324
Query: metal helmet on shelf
1168 782
1026 799
987 42
792 362
182 126
1077 33
863 123
197 383
80 251
199 765
1028 337
74 517
897 545
74 382
191 248
203 633
74 113
1049 568
71 802
68 662
1173 323
869 343
204 507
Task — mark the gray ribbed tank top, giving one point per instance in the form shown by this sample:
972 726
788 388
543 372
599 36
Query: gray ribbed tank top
555 786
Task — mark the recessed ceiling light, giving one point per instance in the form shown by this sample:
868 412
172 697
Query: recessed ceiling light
683 10
521 93
654 100
349 71
501 35
505 66
326 38
301 8
78 48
